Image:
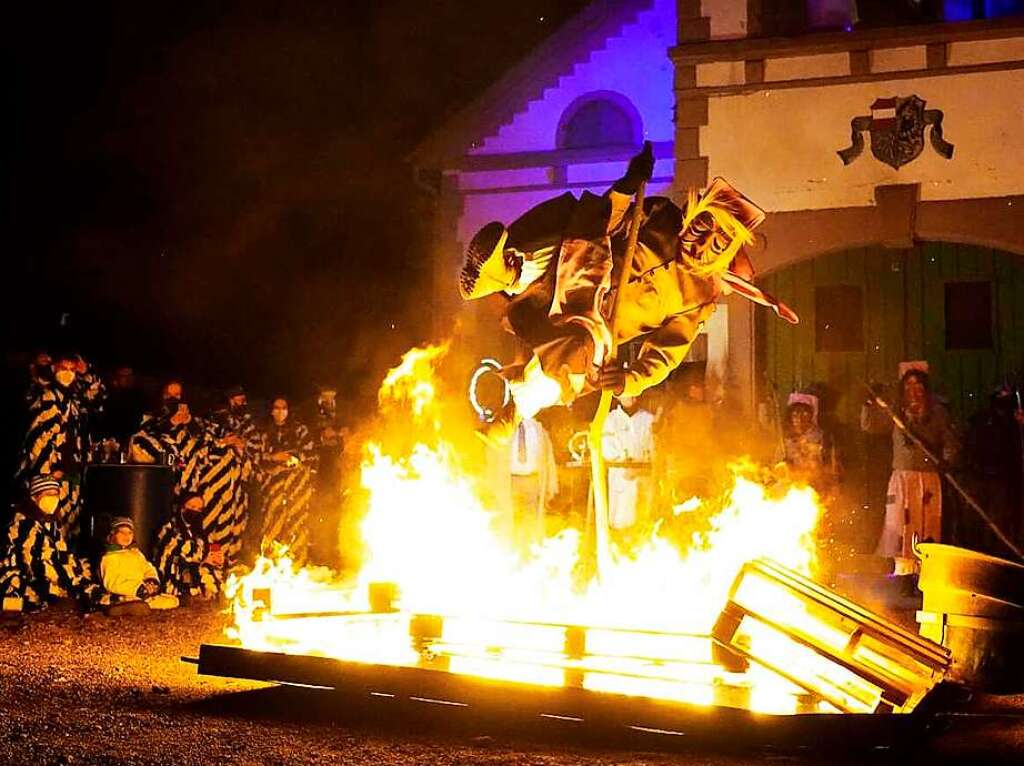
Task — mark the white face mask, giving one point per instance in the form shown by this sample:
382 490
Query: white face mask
65 377
48 503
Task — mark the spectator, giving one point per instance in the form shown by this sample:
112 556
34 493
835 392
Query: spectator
289 460
36 565
330 437
55 442
534 481
189 565
127 573
239 428
913 507
172 435
205 458
684 432
629 441
39 375
993 453
807 450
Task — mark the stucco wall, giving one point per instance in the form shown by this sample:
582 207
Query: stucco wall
635 64
728 18
779 146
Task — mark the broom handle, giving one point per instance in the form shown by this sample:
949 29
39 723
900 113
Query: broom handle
598 472
971 502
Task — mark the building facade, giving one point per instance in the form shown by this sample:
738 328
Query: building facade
885 144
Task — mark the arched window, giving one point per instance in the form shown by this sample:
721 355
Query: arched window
602 118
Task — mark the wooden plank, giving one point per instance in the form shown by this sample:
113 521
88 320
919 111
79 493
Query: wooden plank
873 273
1007 309
933 331
950 260
1015 267
856 364
895 312
825 273
803 333
784 341
972 388
989 372
914 303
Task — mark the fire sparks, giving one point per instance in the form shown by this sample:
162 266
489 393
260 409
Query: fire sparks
428 531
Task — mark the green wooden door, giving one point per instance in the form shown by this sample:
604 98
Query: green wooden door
898 302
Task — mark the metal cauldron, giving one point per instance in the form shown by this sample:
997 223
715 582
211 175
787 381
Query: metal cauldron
143 493
974 605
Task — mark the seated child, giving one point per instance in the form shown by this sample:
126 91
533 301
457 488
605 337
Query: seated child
127 573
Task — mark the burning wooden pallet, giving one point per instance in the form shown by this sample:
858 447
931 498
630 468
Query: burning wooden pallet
783 645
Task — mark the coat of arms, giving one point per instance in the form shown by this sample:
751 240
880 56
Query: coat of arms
897 131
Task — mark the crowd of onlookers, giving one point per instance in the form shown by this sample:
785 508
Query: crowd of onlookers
675 443
240 484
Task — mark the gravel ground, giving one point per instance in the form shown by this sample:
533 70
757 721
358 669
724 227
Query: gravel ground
94 690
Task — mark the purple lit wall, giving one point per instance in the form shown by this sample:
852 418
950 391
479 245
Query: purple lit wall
634 64
962 10
624 89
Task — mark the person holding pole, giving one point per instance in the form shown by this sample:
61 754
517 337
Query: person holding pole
921 452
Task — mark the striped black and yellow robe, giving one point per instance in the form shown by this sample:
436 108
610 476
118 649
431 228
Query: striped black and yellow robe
203 464
37 567
287 490
180 561
243 426
55 441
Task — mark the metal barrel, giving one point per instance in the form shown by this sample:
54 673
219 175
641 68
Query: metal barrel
973 604
143 493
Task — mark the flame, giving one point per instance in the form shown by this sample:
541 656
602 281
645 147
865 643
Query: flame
412 382
428 531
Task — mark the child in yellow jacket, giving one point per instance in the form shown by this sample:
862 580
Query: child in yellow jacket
127 573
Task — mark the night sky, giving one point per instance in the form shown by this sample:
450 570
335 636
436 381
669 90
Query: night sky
217 189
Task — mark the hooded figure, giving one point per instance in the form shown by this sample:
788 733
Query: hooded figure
554 266
188 564
35 563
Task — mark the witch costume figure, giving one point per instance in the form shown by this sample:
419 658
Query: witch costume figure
554 266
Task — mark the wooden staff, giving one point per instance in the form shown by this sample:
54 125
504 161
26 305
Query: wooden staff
598 472
971 502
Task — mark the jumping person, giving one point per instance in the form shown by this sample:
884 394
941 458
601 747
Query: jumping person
554 267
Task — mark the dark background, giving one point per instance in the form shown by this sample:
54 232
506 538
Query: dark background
218 189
